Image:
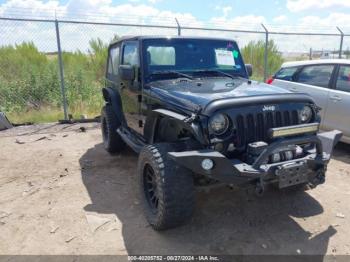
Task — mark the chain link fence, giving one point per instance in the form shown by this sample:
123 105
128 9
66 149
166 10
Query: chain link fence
50 69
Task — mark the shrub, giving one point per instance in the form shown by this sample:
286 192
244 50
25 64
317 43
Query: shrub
29 79
254 53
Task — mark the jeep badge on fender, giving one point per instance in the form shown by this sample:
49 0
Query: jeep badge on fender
187 106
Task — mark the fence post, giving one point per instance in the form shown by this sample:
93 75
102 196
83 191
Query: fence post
178 27
310 54
341 41
266 52
60 63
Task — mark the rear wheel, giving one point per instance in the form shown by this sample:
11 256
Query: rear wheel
167 190
112 141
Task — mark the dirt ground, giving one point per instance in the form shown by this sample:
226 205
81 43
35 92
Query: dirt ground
61 193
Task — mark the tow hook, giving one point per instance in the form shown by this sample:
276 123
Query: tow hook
321 175
319 178
259 189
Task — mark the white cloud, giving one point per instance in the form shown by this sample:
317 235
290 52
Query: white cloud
302 5
154 1
280 19
77 36
314 24
248 22
31 7
244 22
327 24
224 9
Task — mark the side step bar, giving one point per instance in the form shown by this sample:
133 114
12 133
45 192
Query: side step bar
129 138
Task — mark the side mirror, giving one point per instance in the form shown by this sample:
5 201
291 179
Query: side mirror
126 72
249 69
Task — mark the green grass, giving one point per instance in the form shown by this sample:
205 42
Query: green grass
36 116
30 86
47 115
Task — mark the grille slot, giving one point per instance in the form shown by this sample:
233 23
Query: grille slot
254 127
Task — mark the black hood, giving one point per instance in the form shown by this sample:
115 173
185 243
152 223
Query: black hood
209 94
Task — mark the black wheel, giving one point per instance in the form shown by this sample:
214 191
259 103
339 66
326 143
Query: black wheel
112 141
167 190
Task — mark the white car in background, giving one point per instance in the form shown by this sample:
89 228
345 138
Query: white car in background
328 82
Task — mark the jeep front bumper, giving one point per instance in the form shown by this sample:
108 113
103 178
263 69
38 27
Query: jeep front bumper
310 168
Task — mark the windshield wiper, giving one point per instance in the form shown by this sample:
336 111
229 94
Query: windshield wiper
171 72
217 72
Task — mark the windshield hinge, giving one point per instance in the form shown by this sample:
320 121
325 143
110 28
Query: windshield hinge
191 119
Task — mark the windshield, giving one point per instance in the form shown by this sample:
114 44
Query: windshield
175 58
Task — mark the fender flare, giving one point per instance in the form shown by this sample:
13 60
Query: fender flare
153 121
112 97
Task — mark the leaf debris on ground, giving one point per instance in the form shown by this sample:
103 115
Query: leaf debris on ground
54 229
70 239
96 222
42 138
4 214
340 215
19 142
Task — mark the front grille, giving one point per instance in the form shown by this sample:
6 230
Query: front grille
254 127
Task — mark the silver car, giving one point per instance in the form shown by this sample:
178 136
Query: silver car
328 82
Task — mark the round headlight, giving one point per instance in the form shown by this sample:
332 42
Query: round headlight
219 124
207 164
305 114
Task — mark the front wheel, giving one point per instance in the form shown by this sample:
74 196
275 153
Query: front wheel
167 190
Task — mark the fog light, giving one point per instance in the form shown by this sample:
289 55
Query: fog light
207 164
275 158
288 155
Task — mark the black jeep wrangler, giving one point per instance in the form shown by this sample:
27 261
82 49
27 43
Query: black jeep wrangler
187 106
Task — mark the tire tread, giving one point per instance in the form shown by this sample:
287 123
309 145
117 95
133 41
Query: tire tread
177 201
114 143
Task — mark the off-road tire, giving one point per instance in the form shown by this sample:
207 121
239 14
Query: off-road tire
112 141
174 187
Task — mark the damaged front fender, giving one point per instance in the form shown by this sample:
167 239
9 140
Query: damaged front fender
191 123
